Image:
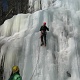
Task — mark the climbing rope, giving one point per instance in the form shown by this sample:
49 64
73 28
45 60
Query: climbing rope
77 56
36 63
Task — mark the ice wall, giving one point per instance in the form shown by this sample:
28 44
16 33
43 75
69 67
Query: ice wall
20 42
35 5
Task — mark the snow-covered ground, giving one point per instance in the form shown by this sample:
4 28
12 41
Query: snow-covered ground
20 42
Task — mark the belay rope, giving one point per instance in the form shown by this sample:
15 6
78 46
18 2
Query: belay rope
77 56
36 63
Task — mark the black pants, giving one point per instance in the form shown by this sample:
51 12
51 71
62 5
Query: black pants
43 36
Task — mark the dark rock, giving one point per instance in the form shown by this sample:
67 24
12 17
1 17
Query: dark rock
68 74
14 7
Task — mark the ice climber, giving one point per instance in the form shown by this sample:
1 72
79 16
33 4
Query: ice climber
43 33
15 74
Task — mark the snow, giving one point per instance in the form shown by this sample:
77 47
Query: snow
20 41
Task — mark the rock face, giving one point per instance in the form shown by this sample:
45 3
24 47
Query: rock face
14 7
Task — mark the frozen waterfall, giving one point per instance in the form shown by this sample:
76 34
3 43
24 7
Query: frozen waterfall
20 41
